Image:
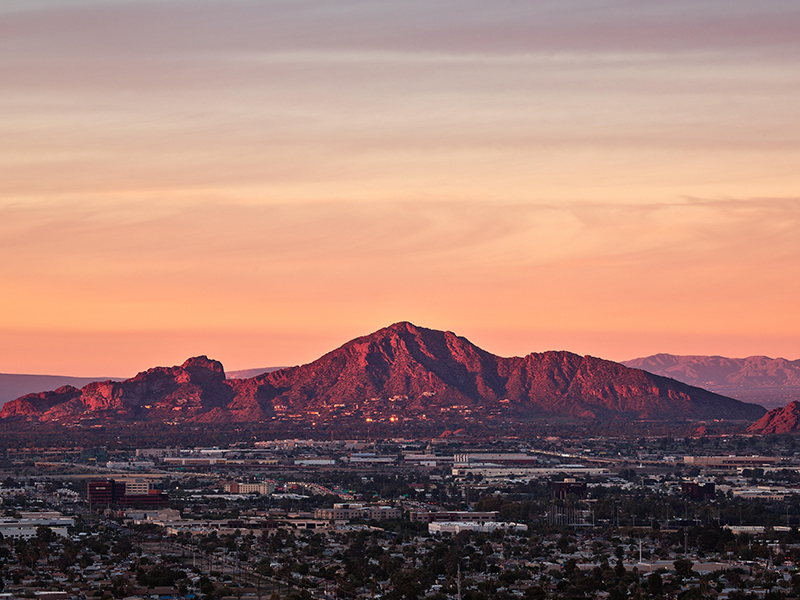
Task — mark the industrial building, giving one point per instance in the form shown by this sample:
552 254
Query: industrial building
26 525
730 462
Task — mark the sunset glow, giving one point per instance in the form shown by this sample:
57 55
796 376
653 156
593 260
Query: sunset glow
260 182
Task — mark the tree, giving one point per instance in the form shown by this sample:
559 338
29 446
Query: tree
683 567
619 569
655 585
45 534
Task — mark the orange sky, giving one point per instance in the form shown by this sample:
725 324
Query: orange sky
260 182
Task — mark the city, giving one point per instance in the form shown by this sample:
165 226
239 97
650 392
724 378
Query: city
545 518
419 300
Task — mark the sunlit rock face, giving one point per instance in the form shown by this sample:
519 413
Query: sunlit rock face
779 420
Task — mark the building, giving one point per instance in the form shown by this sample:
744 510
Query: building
156 452
524 471
369 458
136 487
699 490
25 527
730 462
562 489
763 492
454 517
193 461
493 459
106 492
425 460
485 527
341 512
262 488
130 465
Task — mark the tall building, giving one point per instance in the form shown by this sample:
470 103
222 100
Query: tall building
105 492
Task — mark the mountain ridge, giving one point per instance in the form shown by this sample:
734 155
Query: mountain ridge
771 382
400 374
14 385
248 373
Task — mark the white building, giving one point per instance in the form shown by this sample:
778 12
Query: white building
26 526
439 527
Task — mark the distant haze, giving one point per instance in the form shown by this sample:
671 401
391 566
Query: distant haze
770 382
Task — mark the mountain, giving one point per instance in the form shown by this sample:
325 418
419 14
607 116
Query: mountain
779 420
401 374
13 385
770 382
248 373
193 388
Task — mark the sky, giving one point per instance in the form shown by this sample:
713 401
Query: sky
261 181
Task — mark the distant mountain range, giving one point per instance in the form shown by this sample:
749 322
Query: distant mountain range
770 382
248 373
399 376
13 386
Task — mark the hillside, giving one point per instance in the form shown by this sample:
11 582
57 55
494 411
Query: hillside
779 420
401 374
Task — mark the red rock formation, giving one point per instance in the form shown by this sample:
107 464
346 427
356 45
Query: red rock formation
33 406
398 373
779 420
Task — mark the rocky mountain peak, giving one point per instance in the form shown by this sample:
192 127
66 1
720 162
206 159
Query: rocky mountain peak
779 420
